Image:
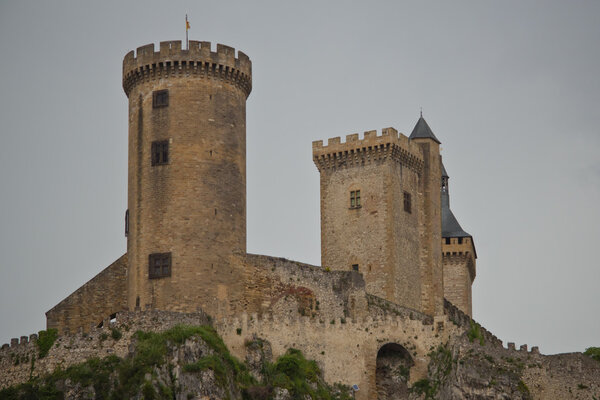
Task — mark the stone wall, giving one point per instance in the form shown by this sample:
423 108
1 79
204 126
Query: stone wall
345 349
457 281
430 229
458 258
101 296
292 289
463 320
20 360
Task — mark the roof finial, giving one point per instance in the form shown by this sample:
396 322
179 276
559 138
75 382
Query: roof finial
421 112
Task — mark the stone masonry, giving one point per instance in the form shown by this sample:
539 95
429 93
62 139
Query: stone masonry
387 267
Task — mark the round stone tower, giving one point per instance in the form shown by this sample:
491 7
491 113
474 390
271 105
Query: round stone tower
187 175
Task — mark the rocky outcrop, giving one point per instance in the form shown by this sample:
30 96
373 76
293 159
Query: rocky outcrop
467 368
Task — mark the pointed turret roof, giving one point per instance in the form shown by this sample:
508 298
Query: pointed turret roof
450 225
444 173
423 131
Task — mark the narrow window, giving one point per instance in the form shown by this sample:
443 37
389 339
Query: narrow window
460 240
354 267
160 152
447 240
159 265
160 98
407 203
126 223
355 199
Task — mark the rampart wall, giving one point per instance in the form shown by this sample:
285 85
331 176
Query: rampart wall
20 360
284 287
104 294
345 349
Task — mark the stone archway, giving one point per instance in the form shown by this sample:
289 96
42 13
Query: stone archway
393 372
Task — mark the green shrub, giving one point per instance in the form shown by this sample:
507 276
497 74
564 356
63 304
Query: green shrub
475 333
593 352
214 363
424 387
45 341
294 372
115 334
522 387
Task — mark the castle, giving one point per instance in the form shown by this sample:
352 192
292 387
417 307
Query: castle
384 201
394 257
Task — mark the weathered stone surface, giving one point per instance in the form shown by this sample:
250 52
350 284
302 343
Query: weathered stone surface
102 296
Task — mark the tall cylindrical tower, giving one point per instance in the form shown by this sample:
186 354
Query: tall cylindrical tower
187 174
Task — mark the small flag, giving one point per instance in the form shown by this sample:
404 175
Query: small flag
187 25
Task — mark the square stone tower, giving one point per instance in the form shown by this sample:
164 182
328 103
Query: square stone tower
380 214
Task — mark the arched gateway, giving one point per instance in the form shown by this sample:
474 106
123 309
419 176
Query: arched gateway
393 372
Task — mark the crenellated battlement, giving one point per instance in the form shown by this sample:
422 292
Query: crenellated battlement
373 147
171 60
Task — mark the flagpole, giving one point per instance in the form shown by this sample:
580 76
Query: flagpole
187 43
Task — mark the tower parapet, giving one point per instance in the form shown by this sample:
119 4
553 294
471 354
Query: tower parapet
390 144
171 59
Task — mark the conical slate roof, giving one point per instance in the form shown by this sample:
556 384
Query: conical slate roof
450 225
422 130
444 173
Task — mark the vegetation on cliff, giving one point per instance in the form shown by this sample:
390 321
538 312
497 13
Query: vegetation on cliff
593 352
184 362
45 341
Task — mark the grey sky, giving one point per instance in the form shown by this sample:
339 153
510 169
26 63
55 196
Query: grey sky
511 88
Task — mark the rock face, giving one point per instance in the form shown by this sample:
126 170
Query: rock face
465 369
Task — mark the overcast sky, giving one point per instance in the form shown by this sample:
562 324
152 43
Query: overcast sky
511 88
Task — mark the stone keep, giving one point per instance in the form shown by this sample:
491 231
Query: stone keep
380 213
187 173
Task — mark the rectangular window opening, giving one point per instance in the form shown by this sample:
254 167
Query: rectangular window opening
160 152
160 98
354 267
355 199
127 223
159 265
407 202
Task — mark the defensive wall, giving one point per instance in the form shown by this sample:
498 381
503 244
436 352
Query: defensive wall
103 295
345 348
20 360
279 286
